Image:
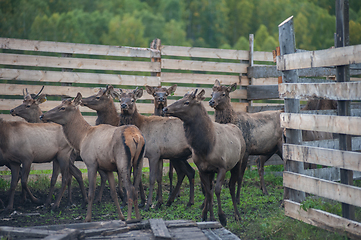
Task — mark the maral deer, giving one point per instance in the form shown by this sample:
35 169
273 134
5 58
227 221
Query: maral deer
261 131
165 140
102 102
160 95
26 143
31 112
216 148
103 147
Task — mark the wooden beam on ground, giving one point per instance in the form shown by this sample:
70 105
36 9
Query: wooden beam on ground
320 58
323 156
25 233
256 92
333 91
323 123
322 219
77 63
76 48
160 231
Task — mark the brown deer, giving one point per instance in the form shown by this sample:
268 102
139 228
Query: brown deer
31 112
102 102
23 143
261 131
160 95
103 147
216 148
165 140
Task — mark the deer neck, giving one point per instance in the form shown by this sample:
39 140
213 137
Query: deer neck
200 133
76 129
108 115
35 118
132 119
158 109
225 114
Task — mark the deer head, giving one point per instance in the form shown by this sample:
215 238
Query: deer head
160 94
220 95
127 99
99 101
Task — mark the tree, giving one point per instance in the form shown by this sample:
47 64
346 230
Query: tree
260 37
174 34
355 33
241 44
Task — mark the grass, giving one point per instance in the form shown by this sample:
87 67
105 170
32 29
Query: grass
262 216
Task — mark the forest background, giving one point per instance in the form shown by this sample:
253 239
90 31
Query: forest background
199 23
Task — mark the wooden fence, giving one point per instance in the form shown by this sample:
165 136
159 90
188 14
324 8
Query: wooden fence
336 153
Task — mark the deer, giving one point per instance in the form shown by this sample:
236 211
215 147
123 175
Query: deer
216 148
103 147
160 95
102 102
261 131
23 143
165 140
31 112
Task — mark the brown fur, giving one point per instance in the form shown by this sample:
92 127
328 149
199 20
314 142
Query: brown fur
216 148
103 147
165 140
261 131
31 112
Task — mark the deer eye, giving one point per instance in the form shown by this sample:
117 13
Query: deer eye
154 94
97 97
132 100
62 108
223 94
186 103
27 106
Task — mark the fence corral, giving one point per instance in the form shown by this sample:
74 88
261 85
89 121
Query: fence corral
334 153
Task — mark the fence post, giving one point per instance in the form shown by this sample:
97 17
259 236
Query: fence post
155 44
250 62
287 46
343 107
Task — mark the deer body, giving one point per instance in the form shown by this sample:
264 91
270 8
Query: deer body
261 131
165 140
103 147
216 148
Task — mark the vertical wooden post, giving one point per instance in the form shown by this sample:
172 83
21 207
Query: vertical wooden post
250 62
343 107
66 69
287 46
155 44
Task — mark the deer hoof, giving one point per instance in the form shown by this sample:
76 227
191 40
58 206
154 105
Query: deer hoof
223 219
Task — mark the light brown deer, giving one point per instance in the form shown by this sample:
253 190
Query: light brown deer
160 95
26 143
31 112
261 131
216 148
165 140
102 102
103 147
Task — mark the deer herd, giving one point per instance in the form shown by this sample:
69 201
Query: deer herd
119 143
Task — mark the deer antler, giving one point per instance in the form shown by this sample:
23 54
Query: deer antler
26 94
38 92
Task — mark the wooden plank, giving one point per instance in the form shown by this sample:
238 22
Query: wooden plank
354 112
176 64
24 233
187 233
262 56
323 123
256 92
321 58
77 63
322 219
203 78
77 77
334 143
330 174
159 229
204 52
323 188
65 234
206 225
333 91
323 156
265 107
264 71
76 48
264 81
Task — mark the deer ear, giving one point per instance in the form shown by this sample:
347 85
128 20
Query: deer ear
109 89
114 94
41 99
232 87
217 83
138 93
200 96
172 89
77 99
150 90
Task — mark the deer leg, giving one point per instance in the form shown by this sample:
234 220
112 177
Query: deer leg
24 181
170 174
114 195
205 178
220 179
180 176
210 204
64 166
15 168
103 179
260 166
153 172
54 177
190 172
74 171
242 166
92 172
137 172
159 181
232 189
141 192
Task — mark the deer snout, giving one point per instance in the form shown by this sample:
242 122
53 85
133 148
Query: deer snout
165 109
161 99
212 103
123 106
12 112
